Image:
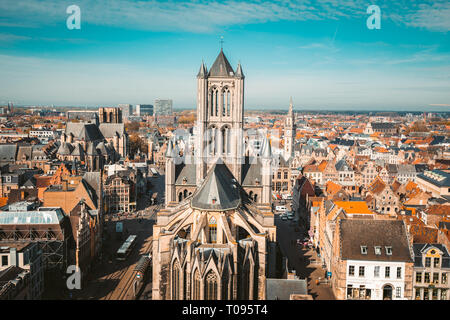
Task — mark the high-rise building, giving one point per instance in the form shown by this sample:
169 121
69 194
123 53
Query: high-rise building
162 107
127 110
144 110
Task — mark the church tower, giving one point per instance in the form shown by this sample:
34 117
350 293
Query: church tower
289 132
220 114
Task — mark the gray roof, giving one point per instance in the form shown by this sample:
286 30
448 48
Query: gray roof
185 171
8 152
109 130
218 191
383 125
251 172
221 67
421 248
85 131
281 289
371 233
437 177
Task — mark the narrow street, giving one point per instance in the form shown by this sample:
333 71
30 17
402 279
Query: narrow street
301 259
111 279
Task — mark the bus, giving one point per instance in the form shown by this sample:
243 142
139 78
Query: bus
154 172
126 248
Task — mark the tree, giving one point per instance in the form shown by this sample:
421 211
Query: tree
137 144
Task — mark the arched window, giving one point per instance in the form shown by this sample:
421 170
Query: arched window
175 280
256 197
226 102
225 285
211 286
196 286
180 197
215 102
185 193
212 230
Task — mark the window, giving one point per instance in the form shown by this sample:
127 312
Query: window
387 272
417 295
419 277
443 294
211 286
376 271
444 278
196 286
434 294
378 250
399 272
4 260
361 271
212 230
398 292
427 277
389 251
436 262
351 270
426 294
427 262
363 249
435 277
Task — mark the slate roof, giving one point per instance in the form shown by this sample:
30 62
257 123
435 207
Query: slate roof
281 289
86 131
219 191
420 248
8 152
108 130
442 182
383 125
371 233
185 171
221 67
251 172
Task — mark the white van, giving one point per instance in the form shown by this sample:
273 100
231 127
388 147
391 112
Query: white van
281 208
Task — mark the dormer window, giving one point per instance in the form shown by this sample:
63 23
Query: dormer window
389 251
214 200
378 250
363 249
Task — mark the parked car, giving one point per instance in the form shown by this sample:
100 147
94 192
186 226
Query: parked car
281 208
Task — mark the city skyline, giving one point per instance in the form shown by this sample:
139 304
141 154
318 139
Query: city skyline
321 54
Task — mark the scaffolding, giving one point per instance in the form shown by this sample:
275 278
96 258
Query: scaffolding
52 243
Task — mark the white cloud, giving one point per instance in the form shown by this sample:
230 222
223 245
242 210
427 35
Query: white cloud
209 16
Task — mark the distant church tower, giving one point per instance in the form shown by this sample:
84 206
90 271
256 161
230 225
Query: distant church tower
289 132
220 113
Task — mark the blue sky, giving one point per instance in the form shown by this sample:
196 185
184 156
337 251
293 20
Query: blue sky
319 52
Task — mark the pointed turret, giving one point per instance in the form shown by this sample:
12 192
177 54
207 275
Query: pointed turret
267 149
239 73
291 107
169 151
202 73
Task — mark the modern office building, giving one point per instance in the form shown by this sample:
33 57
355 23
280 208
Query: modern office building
163 107
127 110
144 110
